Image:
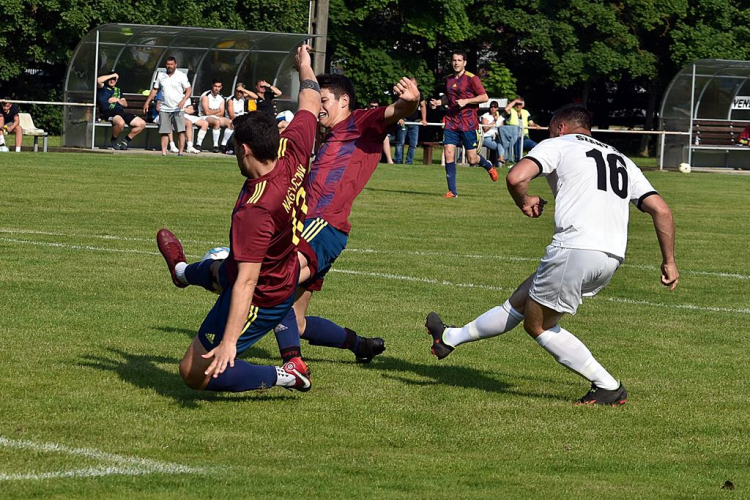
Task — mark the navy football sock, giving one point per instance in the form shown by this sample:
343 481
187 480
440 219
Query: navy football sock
287 336
323 332
484 163
243 377
200 274
450 174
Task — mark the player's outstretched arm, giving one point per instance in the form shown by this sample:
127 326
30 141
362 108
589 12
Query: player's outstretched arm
518 185
239 306
659 211
408 101
309 94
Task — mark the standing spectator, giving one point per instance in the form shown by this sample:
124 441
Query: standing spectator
464 93
9 124
374 103
266 95
176 91
520 117
410 131
111 105
212 109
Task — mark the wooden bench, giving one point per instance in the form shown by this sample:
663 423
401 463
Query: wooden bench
427 148
717 134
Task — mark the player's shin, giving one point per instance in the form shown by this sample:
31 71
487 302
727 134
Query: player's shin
199 273
243 377
494 322
324 332
287 336
574 355
450 175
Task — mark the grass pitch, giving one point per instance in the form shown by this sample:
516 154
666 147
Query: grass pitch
93 329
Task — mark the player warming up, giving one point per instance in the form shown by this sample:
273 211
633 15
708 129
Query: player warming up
592 184
259 277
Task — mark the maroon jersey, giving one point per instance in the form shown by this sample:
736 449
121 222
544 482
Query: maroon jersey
349 155
269 216
465 86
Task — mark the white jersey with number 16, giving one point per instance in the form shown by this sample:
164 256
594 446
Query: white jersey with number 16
592 184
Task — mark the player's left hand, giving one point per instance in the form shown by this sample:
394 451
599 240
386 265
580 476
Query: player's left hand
406 90
669 275
302 58
223 355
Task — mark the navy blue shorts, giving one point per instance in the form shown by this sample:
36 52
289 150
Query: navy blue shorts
260 320
321 244
469 140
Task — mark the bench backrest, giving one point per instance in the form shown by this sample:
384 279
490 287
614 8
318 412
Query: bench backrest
717 132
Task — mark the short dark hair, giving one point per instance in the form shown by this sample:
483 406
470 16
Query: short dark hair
495 104
339 85
171 58
574 113
216 80
258 130
458 53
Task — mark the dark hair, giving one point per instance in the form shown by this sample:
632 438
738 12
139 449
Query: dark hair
574 113
458 53
258 130
171 58
494 103
216 80
339 85
374 100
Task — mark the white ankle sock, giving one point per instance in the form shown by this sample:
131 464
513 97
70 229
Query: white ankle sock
284 379
574 355
494 322
179 271
18 149
189 144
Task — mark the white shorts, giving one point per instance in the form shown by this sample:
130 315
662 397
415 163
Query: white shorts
192 118
566 275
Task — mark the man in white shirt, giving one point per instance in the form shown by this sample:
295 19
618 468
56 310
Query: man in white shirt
212 109
176 91
592 184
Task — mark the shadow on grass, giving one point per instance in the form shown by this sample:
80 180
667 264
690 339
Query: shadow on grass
431 194
449 375
142 371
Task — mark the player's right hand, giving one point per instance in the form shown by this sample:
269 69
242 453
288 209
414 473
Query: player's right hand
533 207
669 275
303 56
223 355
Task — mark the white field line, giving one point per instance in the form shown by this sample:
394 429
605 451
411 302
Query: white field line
352 250
417 279
123 465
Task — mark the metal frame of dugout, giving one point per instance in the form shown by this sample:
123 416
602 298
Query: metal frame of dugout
712 95
136 52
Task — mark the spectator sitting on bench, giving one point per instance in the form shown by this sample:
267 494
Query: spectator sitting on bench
9 124
212 109
111 104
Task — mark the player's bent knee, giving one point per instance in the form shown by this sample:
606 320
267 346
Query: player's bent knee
193 378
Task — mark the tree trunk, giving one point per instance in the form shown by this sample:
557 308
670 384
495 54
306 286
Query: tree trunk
650 116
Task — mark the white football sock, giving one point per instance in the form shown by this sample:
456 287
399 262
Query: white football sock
574 355
179 271
216 132
189 144
284 379
2 139
494 322
227 135
201 136
172 145
18 149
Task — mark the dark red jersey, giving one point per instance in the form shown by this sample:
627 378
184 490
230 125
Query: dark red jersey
349 155
269 216
465 86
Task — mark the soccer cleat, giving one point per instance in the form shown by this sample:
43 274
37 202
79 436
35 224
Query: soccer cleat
171 249
180 154
369 348
173 149
192 150
450 194
599 396
297 367
229 152
493 174
222 149
215 149
114 145
436 327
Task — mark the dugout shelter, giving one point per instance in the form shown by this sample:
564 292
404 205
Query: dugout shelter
136 52
705 108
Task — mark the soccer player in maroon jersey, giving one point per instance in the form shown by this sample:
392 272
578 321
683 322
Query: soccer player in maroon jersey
259 277
464 93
